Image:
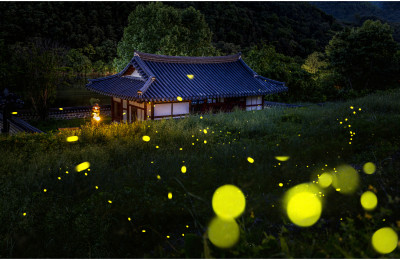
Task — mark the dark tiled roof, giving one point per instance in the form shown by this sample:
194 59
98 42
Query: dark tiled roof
166 77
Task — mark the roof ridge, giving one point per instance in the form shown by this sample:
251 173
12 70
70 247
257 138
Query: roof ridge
187 59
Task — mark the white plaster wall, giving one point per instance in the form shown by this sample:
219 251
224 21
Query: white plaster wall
181 108
162 109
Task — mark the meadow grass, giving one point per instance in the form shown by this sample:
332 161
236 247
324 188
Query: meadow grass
73 219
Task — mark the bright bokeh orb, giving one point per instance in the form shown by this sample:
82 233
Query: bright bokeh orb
72 138
179 98
304 209
346 179
369 200
369 168
282 158
183 169
303 205
146 138
228 202
250 160
385 240
325 180
83 166
223 233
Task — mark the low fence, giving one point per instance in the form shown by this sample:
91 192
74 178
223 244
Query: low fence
66 113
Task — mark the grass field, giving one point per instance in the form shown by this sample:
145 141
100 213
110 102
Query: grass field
104 213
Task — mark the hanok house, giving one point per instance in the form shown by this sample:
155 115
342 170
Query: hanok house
157 86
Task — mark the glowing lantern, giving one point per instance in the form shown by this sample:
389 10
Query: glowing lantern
190 76
96 113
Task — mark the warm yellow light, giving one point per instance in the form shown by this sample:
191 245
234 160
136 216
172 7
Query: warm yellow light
179 98
302 204
61 108
45 190
325 180
282 158
72 138
110 201
183 169
223 233
228 202
146 138
205 131
369 168
14 113
346 179
83 166
250 160
369 200
280 184
190 76
169 195
384 240
97 118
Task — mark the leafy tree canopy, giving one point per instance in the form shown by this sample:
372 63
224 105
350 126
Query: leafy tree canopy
157 28
364 56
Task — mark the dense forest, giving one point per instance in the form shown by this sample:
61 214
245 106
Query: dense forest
356 13
294 42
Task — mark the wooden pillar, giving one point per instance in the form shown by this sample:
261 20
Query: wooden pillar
112 109
152 110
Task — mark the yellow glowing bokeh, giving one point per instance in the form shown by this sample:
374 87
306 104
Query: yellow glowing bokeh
369 200
302 204
282 158
369 168
281 184
205 131
304 209
83 166
228 202
169 195
251 160
183 169
190 76
72 138
223 233
325 180
179 98
205 141
146 138
384 240
14 113
346 179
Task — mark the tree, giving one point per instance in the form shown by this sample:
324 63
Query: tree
314 63
364 56
157 28
40 71
271 64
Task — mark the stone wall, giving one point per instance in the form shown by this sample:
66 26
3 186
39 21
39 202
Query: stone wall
66 113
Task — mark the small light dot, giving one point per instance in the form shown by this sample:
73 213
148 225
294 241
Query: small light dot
129 219
59 178
45 190
97 187
143 231
24 214
169 195
281 184
159 177
110 201
183 235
